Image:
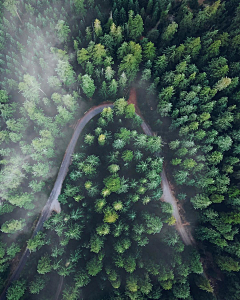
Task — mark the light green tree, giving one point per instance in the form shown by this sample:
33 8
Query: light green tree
109 73
13 226
127 155
119 106
132 283
94 266
30 88
89 139
37 284
65 72
36 242
83 56
215 157
169 32
227 263
99 54
96 243
16 290
149 51
63 30
20 200
110 215
103 229
135 26
87 84
11 6
44 264
82 278
97 28
200 201
222 84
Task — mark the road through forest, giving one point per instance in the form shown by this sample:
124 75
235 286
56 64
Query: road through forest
53 204
168 195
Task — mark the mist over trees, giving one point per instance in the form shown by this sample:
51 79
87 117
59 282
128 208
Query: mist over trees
114 236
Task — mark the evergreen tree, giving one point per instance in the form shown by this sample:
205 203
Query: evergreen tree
122 16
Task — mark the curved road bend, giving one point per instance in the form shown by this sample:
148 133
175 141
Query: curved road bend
53 198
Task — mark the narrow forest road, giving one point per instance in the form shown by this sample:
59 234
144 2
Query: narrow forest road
53 204
168 195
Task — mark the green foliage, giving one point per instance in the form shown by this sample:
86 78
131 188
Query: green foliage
63 30
94 266
200 201
227 263
127 155
80 7
97 28
36 242
37 284
169 32
12 226
87 84
149 51
17 290
181 291
135 26
21 200
65 72
44 265
131 56
3 97
112 183
96 243
186 54
215 157
204 284
110 216
81 278
195 262
11 6
103 229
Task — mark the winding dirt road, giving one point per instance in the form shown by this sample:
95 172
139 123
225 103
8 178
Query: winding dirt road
53 204
169 197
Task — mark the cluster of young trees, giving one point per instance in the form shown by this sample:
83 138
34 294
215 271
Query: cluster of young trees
111 221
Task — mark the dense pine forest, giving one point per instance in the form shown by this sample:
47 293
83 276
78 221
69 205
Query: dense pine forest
158 81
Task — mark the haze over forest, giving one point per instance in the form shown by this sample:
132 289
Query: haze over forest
120 149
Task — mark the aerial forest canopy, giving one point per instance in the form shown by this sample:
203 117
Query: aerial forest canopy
112 233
